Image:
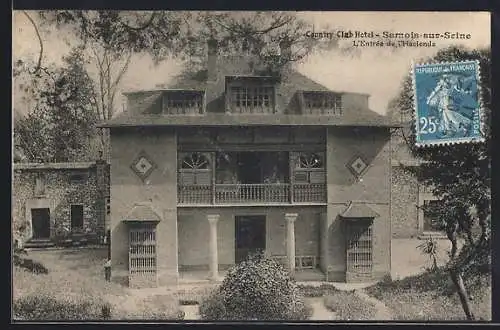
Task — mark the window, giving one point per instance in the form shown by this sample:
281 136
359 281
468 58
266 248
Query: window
322 103
359 247
429 214
183 102
77 178
310 168
252 99
195 169
76 216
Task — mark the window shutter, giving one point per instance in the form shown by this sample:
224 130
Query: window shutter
203 178
301 177
317 177
187 178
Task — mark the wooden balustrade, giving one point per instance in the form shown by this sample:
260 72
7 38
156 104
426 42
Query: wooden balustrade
251 193
257 193
194 194
309 193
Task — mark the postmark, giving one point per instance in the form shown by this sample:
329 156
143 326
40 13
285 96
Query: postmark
447 103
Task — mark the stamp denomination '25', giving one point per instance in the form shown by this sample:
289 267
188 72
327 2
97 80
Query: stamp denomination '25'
447 107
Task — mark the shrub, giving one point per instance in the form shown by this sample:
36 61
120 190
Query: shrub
21 261
256 289
317 291
348 306
45 307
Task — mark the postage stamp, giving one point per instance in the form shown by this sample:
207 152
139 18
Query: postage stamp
447 103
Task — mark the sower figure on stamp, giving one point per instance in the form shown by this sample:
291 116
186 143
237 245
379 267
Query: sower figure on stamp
451 121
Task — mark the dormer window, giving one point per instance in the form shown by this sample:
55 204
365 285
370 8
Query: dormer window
247 95
321 103
183 102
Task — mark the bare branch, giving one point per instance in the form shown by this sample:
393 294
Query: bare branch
40 55
274 27
147 24
122 71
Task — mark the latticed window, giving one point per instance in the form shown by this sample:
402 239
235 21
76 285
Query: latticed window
194 169
310 168
182 102
252 99
359 247
322 103
142 256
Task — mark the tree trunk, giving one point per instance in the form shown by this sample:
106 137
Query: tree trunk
462 293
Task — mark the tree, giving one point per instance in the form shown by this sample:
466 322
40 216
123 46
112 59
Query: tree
62 124
459 175
183 35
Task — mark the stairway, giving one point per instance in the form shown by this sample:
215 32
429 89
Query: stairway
39 243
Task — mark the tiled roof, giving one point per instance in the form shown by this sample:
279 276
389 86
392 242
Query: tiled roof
357 210
144 107
142 212
369 120
53 166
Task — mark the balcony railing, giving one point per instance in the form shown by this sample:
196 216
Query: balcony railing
251 193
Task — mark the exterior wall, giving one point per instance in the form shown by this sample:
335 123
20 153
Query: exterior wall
159 188
193 229
373 188
404 202
59 194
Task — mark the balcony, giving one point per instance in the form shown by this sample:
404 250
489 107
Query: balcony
229 194
253 178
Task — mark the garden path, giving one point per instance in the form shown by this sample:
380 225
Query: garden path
383 313
320 313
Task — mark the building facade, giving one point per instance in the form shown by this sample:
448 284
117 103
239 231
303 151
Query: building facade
60 201
409 217
228 161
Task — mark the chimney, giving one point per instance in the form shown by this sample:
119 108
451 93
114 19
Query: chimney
286 55
212 59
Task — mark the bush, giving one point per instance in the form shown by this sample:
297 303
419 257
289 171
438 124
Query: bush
43 307
348 306
21 261
317 291
256 289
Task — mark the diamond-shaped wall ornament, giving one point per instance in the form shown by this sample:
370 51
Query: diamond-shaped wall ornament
357 166
143 165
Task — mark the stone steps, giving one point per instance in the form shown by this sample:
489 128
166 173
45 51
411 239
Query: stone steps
39 243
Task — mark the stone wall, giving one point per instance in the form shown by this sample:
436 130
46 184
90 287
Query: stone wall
404 202
59 194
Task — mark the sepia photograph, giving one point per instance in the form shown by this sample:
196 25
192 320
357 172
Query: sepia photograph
250 166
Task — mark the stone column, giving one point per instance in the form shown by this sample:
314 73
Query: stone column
290 240
214 258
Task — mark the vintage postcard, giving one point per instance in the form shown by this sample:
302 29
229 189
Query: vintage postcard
182 166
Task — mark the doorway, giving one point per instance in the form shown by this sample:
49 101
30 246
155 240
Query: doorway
40 220
250 235
249 168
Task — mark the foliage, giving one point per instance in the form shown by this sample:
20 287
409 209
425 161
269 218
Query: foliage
348 306
312 291
460 177
183 35
19 259
256 289
62 124
430 248
44 306
432 296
